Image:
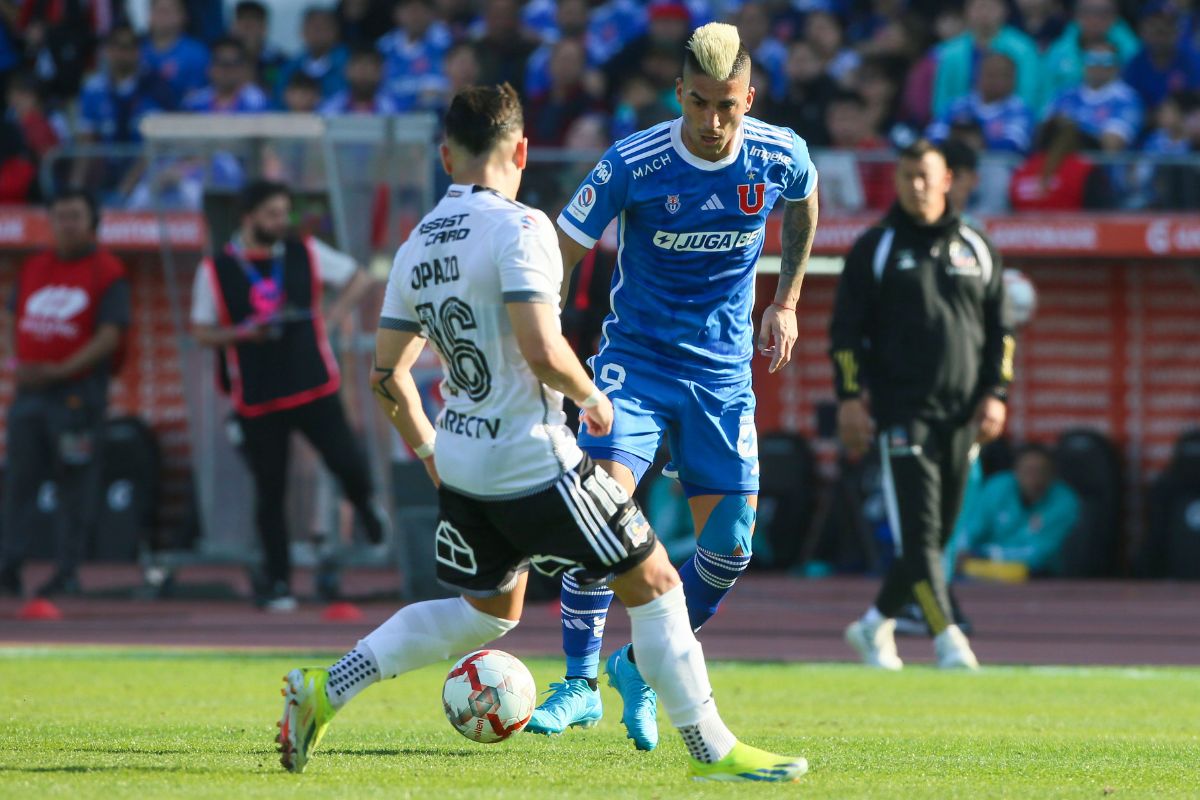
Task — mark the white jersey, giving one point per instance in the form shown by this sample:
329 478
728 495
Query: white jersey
502 434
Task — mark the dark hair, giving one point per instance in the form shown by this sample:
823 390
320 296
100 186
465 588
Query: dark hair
960 155
919 148
229 43
1033 448
120 30
255 193
848 97
365 51
312 12
250 8
302 80
67 195
1012 62
480 116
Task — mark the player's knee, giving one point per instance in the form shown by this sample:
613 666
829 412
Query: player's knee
647 581
730 527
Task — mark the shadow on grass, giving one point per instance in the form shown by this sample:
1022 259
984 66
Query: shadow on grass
406 751
77 768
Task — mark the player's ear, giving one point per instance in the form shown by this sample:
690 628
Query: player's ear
447 161
679 91
521 153
749 98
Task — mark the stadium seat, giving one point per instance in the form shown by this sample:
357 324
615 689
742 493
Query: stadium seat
786 500
1089 463
1171 548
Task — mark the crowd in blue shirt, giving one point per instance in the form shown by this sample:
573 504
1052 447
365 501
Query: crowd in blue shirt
593 70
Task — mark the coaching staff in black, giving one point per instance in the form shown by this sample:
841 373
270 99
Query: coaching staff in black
921 344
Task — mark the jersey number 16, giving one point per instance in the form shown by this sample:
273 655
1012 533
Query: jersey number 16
464 361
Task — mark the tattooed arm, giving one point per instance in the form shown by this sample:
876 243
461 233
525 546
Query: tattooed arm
779 320
396 352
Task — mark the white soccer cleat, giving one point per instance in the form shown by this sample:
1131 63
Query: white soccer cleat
876 644
953 651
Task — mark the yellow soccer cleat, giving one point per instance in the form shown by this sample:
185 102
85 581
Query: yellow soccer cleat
306 716
746 763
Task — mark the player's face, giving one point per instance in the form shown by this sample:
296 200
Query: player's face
712 111
921 186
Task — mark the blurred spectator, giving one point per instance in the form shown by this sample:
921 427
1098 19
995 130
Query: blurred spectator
360 21
1095 22
1177 124
551 113
668 29
963 161
612 25
877 80
1056 177
461 69
823 31
570 22
806 94
302 95
958 58
768 55
231 88
181 62
1104 108
849 182
905 36
1168 62
364 92
251 22
10 43
458 15
120 93
69 307
60 40
206 20
1005 120
18 174
323 56
916 101
640 105
413 54
41 129
868 24
1042 20
503 48
1023 515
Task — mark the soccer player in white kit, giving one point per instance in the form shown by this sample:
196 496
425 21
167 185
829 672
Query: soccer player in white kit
479 279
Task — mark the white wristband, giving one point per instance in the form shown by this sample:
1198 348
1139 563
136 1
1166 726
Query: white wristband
425 450
592 400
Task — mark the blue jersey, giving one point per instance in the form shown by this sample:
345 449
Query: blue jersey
690 235
1007 124
1113 108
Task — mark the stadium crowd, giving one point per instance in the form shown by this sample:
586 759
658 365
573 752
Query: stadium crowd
1042 81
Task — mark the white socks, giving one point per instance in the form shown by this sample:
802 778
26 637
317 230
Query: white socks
415 636
873 617
671 661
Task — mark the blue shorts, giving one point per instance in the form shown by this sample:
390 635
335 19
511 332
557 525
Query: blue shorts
709 428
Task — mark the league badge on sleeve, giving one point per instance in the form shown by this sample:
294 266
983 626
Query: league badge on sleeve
672 203
581 204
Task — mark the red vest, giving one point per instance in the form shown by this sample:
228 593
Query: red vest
57 302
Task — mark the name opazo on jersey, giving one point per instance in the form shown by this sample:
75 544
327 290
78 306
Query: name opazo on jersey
690 235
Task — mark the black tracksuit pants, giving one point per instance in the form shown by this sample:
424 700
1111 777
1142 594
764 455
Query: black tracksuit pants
52 434
925 467
265 445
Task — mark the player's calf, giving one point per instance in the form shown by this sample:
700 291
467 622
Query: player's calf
723 552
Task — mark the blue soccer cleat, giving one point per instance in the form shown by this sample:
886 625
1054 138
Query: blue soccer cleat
640 716
571 704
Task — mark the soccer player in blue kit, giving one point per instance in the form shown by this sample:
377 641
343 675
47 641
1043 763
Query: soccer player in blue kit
691 197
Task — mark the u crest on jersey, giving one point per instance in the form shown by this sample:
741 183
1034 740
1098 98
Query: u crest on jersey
673 203
752 197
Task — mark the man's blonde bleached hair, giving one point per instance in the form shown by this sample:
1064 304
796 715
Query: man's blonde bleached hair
716 50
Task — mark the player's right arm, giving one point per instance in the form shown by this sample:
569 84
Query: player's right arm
539 337
396 351
597 202
398 344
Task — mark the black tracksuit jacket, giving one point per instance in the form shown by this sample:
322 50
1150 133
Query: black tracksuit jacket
920 321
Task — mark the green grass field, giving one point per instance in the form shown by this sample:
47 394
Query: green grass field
150 723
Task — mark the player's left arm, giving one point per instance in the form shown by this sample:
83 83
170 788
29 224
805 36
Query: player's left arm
999 346
396 351
779 328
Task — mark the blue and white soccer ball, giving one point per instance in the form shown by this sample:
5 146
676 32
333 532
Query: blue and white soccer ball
1022 296
489 696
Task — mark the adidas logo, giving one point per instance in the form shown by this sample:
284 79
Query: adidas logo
712 204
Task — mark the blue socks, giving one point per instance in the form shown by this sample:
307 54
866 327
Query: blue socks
710 573
583 614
